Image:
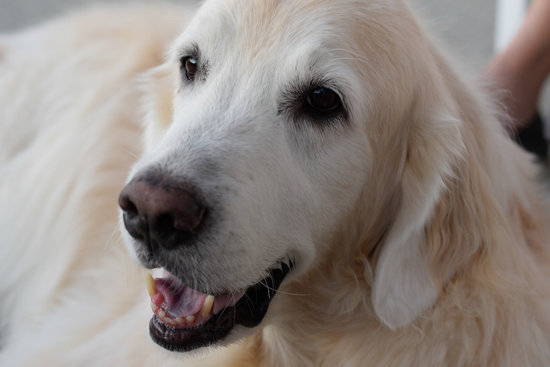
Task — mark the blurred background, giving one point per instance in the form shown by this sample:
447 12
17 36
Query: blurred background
466 27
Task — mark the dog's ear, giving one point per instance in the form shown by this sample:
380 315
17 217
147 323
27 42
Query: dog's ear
404 283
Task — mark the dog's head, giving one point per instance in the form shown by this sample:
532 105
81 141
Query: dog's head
280 132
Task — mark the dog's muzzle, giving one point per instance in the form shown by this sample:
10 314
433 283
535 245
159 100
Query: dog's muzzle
166 219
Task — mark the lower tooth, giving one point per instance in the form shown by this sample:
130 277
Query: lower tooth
190 318
207 306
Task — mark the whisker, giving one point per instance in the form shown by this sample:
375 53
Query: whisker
130 153
283 292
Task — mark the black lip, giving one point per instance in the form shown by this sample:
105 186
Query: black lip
248 312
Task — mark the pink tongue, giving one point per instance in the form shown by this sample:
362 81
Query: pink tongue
179 300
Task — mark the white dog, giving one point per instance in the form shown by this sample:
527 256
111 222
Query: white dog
318 187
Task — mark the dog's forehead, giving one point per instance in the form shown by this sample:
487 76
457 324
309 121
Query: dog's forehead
254 27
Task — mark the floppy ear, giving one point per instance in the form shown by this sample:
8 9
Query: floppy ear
404 285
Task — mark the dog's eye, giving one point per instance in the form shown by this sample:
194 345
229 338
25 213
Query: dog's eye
323 101
189 67
313 102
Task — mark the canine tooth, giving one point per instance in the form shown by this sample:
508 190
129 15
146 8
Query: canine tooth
207 306
190 318
151 287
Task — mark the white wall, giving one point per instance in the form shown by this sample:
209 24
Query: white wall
466 27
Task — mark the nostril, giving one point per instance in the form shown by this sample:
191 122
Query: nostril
127 205
135 226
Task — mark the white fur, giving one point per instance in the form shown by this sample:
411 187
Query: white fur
417 230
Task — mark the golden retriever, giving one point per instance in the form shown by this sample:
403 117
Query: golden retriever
317 186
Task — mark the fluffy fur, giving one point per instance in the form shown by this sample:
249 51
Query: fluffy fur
417 226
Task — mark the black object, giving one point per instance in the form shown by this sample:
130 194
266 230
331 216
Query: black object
532 137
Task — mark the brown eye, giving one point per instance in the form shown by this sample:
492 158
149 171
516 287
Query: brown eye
324 100
190 66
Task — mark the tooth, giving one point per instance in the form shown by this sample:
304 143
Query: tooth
190 318
151 287
207 306
179 320
162 313
158 273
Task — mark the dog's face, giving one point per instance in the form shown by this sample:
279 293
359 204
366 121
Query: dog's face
262 139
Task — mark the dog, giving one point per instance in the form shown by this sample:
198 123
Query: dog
312 181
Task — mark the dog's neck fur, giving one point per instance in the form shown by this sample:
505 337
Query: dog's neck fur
492 296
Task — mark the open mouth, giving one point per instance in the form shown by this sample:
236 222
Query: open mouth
185 319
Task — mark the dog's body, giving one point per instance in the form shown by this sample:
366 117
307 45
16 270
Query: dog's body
72 93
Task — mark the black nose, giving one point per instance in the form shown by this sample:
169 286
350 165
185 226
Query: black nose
160 214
